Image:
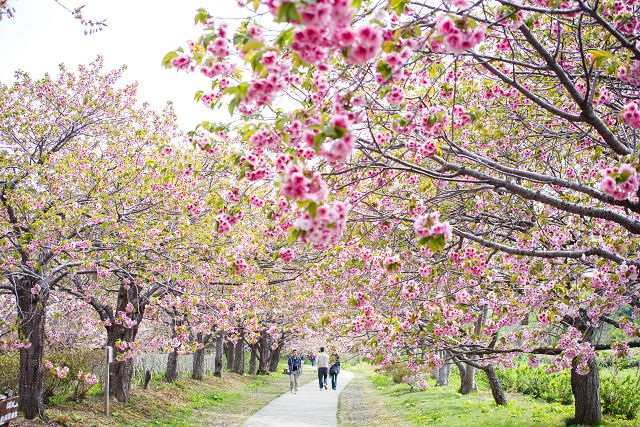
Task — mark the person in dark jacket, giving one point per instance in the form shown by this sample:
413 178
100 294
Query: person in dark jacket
295 369
334 370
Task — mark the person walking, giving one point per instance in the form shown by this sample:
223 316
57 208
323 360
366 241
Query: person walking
312 357
323 368
334 370
295 369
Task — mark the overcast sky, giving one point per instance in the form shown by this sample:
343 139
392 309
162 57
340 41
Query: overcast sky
42 35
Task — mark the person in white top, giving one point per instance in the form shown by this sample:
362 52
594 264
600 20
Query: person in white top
323 368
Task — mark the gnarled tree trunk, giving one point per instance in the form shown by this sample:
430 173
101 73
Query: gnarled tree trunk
238 357
121 370
253 359
586 393
171 374
497 391
228 354
217 372
197 372
274 357
467 377
263 355
443 373
32 316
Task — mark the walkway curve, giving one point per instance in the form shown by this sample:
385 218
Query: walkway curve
310 407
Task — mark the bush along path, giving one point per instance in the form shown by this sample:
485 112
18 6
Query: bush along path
309 407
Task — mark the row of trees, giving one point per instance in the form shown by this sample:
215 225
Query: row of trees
104 205
472 167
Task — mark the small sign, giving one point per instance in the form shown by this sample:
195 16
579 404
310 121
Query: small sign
109 354
8 410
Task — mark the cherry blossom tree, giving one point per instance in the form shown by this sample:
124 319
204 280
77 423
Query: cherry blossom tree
515 121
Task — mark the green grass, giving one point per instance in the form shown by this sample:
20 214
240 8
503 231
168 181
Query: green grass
444 406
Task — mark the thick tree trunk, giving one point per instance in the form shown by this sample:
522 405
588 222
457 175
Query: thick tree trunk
238 357
274 358
586 392
219 353
443 374
197 372
253 359
122 368
265 348
228 354
32 316
171 374
496 387
467 378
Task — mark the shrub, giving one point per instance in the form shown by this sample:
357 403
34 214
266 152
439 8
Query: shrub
83 365
398 371
10 363
620 396
536 382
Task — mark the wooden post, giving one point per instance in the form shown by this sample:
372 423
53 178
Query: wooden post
108 360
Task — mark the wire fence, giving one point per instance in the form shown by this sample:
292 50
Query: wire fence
156 363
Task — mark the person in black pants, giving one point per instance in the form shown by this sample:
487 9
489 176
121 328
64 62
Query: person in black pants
323 368
334 371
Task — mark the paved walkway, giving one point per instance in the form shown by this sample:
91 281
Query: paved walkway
311 407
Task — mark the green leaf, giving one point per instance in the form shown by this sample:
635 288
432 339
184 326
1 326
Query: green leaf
398 6
287 12
318 140
201 16
312 209
384 69
166 61
284 38
251 44
256 4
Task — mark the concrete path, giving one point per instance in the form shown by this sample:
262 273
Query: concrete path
311 407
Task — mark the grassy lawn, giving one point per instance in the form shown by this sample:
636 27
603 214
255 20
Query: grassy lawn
444 406
226 401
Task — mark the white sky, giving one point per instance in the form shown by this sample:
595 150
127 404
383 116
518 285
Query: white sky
42 35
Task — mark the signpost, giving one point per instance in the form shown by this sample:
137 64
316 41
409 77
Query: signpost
109 359
8 410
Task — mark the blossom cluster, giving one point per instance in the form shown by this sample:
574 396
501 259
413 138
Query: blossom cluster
429 225
458 36
620 182
325 227
325 26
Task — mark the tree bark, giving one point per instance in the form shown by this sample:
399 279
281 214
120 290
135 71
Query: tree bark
32 317
197 372
219 353
253 359
263 355
586 393
274 358
467 377
238 357
122 368
443 373
171 374
497 391
228 354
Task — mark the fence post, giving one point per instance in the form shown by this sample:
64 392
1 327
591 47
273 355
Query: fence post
108 360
